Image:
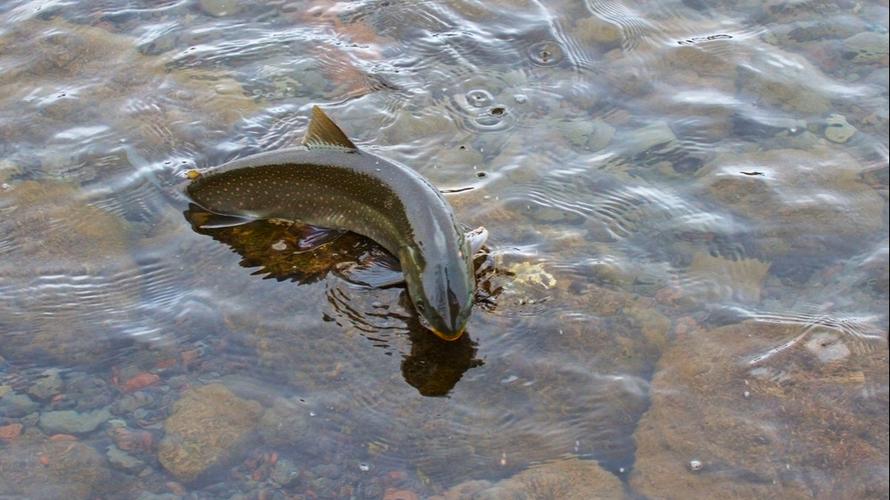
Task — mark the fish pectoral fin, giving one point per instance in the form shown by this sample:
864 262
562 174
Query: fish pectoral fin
477 237
310 237
372 271
323 133
219 221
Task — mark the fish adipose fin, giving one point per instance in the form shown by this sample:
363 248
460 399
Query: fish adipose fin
324 133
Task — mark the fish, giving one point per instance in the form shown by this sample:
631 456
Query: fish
329 182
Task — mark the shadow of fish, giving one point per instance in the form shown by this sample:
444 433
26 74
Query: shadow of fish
330 183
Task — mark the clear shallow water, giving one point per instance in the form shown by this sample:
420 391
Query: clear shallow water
686 292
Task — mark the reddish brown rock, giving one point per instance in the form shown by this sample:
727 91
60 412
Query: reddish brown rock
141 381
766 410
62 437
10 432
572 479
394 494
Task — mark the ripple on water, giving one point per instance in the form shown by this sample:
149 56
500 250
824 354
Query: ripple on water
546 53
828 337
478 111
633 27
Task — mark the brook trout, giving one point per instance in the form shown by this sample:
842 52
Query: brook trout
329 182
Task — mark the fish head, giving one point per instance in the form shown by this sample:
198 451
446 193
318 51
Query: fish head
217 193
239 192
442 292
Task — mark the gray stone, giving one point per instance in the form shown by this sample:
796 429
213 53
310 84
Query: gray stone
284 423
648 137
867 46
591 135
147 495
602 135
30 420
219 8
285 472
123 460
838 129
515 78
576 132
15 405
132 402
8 169
72 422
48 385
89 392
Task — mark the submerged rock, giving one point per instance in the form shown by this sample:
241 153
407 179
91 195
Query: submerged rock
701 61
123 460
284 423
591 135
595 30
793 88
837 129
8 170
72 422
648 137
206 428
828 347
531 275
219 8
53 469
572 479
803 201
408 127
15 405
817 30
10 432
867 46
285 472
714 279
68 55
88 392
47 385
49 230
765 410
34 209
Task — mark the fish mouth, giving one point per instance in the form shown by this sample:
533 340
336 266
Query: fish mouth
448 337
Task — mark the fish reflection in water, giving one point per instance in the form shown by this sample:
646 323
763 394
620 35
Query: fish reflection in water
306 254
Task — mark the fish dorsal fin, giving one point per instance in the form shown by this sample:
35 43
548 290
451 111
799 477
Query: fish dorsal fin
324 133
